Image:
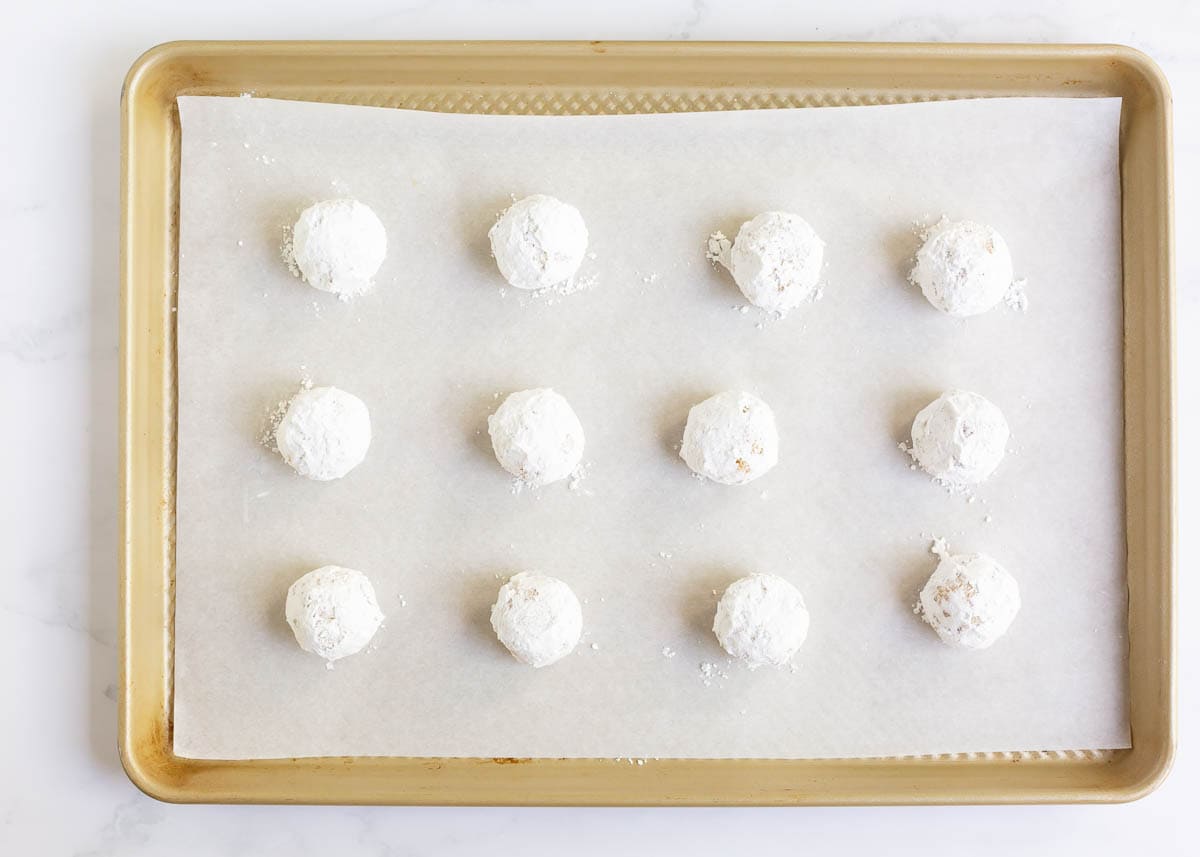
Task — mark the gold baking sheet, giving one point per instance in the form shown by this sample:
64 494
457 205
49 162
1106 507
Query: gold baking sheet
575 78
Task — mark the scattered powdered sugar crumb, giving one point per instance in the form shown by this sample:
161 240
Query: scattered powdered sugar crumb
266 437
987 519
552 294
668 652
650 279
717 249
285 250
575 284
710 672
595 647
576 479
1016 298
664 555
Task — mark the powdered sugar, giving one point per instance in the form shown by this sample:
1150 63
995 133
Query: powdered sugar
970 599
536 436
337 246
761 619
775 260
731 438
539 242
1016 297
537 618
323 433
717 249
333 612
576 481
963 268
959 439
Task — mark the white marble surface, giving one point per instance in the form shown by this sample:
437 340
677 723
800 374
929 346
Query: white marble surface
63 791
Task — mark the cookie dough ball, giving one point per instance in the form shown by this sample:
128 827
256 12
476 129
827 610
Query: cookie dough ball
333 611
776 261
761 619
536 436
963 268
731 438
539 242
537 618
970 600
324 433
338 246
959 438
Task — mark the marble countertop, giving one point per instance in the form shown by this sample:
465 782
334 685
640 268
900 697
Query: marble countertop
64 791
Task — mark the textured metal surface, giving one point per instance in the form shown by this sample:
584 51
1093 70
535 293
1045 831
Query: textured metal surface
601 103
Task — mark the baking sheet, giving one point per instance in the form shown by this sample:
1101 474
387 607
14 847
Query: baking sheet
435 524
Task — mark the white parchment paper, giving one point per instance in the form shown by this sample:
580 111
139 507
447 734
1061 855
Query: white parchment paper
433 521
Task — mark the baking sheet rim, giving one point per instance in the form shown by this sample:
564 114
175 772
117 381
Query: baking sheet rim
146 585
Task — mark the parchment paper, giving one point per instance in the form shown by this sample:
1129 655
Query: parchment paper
433 521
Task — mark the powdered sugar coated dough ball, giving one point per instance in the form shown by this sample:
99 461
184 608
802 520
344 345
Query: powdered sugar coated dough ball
333 611
970 600
338 246
776 261
761 619
324 433
537 618
539 242
959 438
731 438
963 268
536 436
